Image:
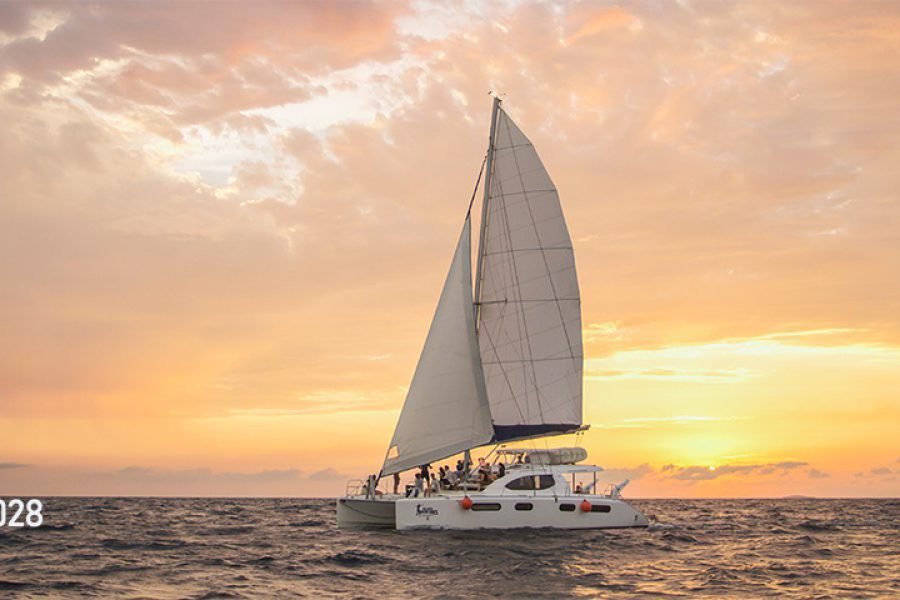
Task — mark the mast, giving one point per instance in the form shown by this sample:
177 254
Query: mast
495 108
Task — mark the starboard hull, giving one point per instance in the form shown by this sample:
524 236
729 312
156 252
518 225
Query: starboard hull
516 512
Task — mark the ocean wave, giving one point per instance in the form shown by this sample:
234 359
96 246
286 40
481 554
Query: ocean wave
13 585
813 525
202 549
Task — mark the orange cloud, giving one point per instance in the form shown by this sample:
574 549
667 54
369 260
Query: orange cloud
591 21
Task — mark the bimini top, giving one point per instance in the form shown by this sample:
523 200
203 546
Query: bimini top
550 456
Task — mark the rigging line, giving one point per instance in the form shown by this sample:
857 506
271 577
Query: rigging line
531 192
530 249
506 362
477 182
512 146
525 301
562 320
503 238
485 217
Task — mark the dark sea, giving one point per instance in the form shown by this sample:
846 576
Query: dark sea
279 548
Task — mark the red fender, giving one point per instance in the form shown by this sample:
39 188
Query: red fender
585 505
466 503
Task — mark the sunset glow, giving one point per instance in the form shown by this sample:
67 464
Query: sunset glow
224 228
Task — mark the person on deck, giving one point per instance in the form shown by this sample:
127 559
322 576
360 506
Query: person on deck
484 472
420 485
452 479
396 483
484 478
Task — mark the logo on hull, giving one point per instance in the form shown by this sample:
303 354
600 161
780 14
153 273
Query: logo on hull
426 511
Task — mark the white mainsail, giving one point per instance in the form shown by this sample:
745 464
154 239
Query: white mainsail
529 307
446 409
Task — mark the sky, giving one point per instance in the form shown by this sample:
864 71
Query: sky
224 228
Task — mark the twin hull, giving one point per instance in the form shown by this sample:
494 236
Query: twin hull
361 512
499 512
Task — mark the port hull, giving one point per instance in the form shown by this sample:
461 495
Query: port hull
362 512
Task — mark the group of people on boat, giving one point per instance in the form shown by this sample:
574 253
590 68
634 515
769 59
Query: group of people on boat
463 476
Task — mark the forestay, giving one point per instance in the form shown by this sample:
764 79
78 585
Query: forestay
446 409
529 311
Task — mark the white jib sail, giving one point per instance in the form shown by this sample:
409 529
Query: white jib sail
529 327
446 409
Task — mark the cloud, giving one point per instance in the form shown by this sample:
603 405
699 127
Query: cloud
884 473
653 422
705 473
680 419
328 474
327 402
201 475
788 464
140 480
12 465
816 474
585 23
709 375
617 474
84 35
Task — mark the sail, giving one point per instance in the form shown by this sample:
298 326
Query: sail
529 307
446 409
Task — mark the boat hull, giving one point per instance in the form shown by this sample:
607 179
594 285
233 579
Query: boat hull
531 512
362 512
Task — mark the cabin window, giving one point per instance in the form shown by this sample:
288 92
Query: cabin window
567 507
601 508
531 482
522 483
486 506
524 506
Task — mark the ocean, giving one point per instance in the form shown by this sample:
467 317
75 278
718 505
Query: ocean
290 548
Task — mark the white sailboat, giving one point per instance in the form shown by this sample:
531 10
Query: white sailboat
499 365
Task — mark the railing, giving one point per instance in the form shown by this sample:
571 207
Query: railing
355 487
614 491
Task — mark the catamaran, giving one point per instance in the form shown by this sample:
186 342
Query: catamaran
501 364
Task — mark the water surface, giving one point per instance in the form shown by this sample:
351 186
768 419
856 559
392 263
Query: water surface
278 548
